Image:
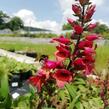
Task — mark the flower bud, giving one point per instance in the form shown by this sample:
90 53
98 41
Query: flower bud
90 11
76 9
71 21
91 37
91 26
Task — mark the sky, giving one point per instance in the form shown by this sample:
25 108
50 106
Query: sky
50 14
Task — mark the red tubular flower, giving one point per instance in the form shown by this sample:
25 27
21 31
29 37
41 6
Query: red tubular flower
63 50
79 64
38 81
60 57
88 51
91 26
92 37
78 29
88 59
62 40
84 44
76 9
89 69
62 77
90 11
49 64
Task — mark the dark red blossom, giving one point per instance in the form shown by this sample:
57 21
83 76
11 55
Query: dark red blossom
48 64
60 57
78 29
38 81
62 40
89 69
79 64
63 51
85 43
62 76
88 58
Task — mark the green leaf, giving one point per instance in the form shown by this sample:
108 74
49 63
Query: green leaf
23 102
4 82
74 101
107 108
62 94
8 102
79 105
82 88
86 105
71 90
79 81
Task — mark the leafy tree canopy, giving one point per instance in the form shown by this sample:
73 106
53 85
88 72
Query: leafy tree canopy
14 23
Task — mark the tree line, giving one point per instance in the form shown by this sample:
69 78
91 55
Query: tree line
12 23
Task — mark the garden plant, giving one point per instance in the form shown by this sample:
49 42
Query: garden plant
70 81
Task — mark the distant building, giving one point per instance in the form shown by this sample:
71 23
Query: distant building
34 30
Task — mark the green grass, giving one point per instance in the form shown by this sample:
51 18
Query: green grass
47 49
102 57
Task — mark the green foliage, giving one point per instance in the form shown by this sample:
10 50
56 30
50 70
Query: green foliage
15 24
81 95
67 26
22 102
3 17
39 35
105 35
12 66
8 67
5 99
101 28
102 58
3 81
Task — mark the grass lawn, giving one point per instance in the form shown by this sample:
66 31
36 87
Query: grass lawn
102 56
47 49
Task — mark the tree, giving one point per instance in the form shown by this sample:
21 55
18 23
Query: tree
101 28
15 24
3 19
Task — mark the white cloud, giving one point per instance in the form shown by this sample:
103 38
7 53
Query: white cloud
30 19
66 8
98 3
